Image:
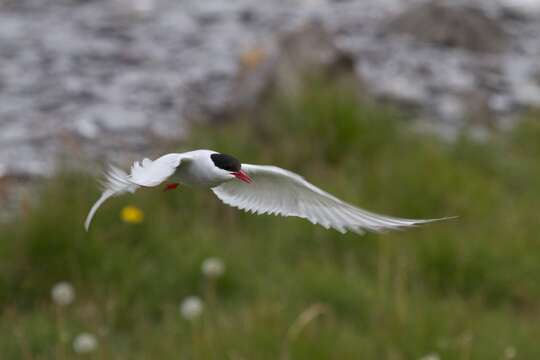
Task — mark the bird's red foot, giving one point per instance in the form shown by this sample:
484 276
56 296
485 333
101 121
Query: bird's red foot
171 186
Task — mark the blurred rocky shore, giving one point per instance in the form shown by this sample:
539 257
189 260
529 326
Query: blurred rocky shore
109 78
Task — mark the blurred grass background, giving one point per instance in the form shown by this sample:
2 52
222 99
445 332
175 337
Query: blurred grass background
462 289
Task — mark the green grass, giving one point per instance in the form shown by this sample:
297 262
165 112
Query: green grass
464 289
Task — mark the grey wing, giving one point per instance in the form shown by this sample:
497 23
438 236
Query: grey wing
281 192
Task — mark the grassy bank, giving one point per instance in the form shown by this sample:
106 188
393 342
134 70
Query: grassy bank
464 289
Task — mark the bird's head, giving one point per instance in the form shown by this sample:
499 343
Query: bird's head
231 165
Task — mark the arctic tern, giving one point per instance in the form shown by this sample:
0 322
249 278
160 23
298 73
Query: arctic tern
260 189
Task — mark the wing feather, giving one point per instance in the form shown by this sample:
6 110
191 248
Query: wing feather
281 192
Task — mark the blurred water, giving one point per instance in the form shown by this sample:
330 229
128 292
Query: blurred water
106 78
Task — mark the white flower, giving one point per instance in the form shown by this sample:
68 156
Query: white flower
85 343
63 293
213 267
191 307
510 352
431 356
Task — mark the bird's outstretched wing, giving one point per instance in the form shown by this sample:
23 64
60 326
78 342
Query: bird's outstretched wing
281 192
147 173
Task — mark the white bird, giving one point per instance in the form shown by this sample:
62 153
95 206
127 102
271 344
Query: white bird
261 189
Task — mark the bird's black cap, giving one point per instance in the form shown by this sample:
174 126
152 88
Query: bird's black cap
226 162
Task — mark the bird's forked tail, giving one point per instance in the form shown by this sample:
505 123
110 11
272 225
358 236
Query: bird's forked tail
116 182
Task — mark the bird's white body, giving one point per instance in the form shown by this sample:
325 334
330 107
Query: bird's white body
198 170
262 189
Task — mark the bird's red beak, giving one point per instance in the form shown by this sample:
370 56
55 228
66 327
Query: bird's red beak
242 176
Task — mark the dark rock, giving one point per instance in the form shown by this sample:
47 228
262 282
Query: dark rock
312 47
283 66
247 16
310 50
461 27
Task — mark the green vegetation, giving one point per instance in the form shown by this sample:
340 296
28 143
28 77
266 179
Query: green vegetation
463 289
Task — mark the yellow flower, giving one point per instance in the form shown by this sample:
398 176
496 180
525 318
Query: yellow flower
132 215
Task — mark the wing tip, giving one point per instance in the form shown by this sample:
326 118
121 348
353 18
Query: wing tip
427 221
362 230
